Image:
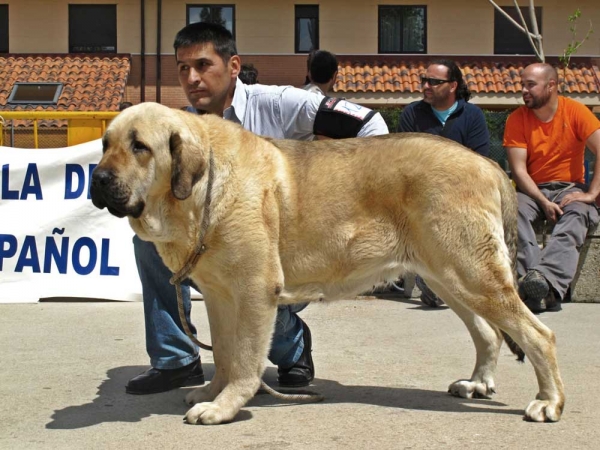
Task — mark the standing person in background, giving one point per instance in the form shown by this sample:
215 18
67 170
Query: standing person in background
323 72
248 74
208 67
445 111
545 142
124 105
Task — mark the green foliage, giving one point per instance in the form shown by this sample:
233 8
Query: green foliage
574 45
391 116
495 121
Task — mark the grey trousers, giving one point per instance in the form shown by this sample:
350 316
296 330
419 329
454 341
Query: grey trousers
557 261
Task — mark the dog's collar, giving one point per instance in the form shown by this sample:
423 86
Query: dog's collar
196 254
200 246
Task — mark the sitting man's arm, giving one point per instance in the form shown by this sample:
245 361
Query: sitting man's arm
517 160
593 143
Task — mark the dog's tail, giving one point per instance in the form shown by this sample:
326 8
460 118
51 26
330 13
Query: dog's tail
509 222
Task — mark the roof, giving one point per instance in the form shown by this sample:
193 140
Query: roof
481 77
91 83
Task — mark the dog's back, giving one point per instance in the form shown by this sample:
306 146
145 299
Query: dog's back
363 210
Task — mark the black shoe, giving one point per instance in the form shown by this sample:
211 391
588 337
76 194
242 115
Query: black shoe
552 304
154 380
303 372
534 286
531 287
535 306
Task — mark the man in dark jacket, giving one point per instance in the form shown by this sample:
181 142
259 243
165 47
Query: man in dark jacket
445 111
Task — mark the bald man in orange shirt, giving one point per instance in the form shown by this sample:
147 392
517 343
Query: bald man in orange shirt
545 142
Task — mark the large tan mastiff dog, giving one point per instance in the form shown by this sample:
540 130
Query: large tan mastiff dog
303 221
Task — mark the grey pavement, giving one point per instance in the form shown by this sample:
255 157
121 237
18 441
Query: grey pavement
383 365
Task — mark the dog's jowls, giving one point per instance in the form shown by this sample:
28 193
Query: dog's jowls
302 221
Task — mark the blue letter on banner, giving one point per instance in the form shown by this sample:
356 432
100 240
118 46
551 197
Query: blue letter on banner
12 247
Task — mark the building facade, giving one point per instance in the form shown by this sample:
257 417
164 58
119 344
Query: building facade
382 46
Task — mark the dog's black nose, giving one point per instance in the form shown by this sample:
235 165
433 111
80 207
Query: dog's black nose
102 177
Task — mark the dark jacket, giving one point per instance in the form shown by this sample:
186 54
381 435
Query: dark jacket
466 125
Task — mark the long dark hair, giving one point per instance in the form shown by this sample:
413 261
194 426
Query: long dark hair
454 74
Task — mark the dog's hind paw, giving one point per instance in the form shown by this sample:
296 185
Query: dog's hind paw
207 414
543 411
472 389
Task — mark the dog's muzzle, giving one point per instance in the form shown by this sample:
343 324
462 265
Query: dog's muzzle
108 192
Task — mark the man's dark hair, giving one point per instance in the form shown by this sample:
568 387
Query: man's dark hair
248 74
323 66
308 61
207 32
124 105
454 74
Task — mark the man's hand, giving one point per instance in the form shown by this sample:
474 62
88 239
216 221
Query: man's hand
552 210
577 197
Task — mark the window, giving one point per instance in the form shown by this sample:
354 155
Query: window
221 14
508 40
402 29
92 28
307 28
3 28
35 93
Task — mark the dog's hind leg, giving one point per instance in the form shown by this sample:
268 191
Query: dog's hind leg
242 343
508 313
487 340
538 343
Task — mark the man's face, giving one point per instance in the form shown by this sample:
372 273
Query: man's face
208 81
442 94
537 89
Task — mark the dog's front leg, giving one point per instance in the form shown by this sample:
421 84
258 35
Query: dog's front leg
219 316
242 334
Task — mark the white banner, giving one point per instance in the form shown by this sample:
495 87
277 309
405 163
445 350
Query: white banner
53 241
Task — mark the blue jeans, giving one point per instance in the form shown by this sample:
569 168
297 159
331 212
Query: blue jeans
166 342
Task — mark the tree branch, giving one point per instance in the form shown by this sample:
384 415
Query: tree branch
505 14
540 48
537 49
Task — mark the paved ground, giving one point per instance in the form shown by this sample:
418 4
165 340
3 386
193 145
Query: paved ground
383 366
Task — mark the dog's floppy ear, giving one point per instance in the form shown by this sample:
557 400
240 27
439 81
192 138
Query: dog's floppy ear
188 165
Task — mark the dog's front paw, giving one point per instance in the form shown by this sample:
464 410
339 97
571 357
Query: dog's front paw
472 389
208 414
201 394
543 411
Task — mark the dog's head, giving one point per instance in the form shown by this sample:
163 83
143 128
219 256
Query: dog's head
148 149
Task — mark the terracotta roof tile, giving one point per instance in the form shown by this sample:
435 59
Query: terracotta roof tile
481 77
91 83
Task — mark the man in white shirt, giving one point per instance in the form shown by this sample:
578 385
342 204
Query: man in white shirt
208 68
322 72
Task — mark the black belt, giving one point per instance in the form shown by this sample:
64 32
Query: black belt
556 185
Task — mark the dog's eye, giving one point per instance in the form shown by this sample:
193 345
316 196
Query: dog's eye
139 147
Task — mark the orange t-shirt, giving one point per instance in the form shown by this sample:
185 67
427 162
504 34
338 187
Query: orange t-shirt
555 150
